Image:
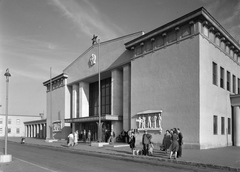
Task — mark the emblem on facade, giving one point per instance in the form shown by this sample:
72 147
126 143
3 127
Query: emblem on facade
92 59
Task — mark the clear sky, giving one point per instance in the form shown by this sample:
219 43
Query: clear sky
38 34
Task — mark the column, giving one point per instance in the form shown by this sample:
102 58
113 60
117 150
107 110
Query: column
236 125
117 92
37 130
40 131
126 97
74 101
32 130
83 99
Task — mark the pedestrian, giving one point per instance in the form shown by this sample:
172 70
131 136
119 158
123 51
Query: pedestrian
146 141
76 138
70 139
166 141
84 136
132 140
174 146
151 147
89 136
180 142
111 138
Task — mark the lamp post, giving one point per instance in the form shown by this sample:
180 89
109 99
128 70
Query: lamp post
7 74
99 98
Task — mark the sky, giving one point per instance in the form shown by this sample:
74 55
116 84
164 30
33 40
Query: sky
36 35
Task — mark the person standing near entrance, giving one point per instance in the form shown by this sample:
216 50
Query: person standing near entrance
111 138
89 136
146 139
84 135
76 138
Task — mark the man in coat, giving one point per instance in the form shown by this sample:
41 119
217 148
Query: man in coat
146 139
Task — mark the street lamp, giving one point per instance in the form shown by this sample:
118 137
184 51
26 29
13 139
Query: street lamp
7 74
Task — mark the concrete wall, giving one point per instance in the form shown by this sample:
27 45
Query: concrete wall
59 109
214 100
167 79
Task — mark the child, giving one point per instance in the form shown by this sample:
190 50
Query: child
150 151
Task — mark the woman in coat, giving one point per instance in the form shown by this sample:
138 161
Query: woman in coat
174 146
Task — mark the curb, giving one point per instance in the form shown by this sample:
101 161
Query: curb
187 163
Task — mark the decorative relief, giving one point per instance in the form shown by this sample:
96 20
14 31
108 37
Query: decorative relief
151 121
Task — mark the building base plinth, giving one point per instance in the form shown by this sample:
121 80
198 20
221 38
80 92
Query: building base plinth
99 144
5 158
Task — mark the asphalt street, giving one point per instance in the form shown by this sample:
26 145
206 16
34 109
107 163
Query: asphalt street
31 158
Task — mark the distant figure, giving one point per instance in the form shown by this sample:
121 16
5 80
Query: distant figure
76 138
166 141
111 138
146 139
150 151
84 136
89 136
180 142
70 139
174 146
132 142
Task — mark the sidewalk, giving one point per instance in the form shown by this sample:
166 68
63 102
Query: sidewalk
227 158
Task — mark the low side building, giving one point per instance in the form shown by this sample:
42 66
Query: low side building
16 127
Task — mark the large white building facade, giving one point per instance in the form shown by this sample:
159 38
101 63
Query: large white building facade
184 74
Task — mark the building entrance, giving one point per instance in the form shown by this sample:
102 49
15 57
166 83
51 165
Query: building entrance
93 128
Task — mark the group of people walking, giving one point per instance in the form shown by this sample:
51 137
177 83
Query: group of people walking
173 141
73 137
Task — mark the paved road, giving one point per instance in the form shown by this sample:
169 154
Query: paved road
31 158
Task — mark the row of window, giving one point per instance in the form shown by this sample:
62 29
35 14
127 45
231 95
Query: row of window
163 39
55 84
215 125
10 121
229 79
220 41
9 131
105 98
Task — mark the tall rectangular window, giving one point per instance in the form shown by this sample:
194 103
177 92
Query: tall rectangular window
9 130
1 130
9 121
221 77
238 86
229 125
215 125
1 121
105 98
234 84
18 130
214 68
228 80
18 121
222 125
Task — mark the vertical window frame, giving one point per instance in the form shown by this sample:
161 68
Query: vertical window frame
215 125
